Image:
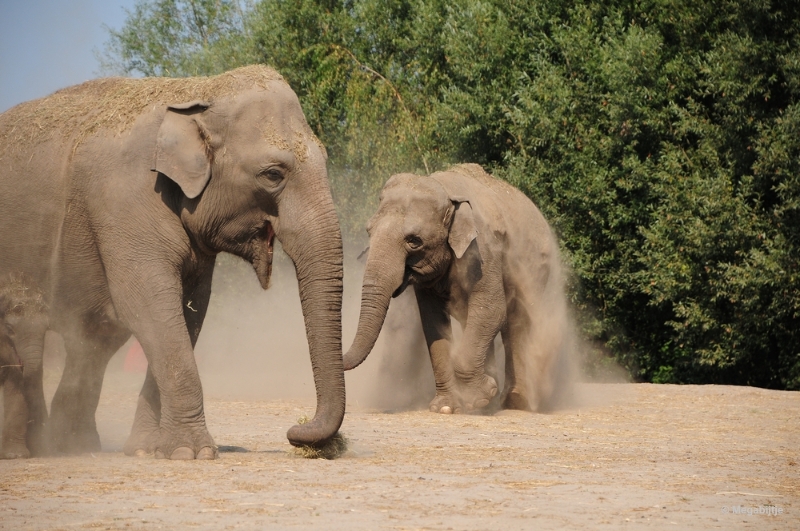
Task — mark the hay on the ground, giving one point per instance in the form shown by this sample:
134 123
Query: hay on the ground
334 448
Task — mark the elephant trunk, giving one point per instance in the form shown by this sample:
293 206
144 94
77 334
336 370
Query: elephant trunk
314 244
383 276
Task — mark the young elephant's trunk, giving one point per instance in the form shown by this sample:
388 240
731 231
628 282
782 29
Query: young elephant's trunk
382 277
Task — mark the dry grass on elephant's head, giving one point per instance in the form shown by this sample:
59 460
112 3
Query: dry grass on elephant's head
335 447
20 295
115 103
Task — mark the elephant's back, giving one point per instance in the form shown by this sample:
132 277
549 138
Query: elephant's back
32 206
111 106
515 215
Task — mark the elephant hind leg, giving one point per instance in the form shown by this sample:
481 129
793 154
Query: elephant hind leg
537 365
89 348
516 391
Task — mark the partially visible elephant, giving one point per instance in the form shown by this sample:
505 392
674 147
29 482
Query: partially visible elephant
117 195
477 249
23 324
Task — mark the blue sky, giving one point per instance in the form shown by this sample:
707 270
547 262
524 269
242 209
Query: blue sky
46 45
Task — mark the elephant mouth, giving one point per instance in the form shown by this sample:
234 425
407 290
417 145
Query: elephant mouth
407 278
263 261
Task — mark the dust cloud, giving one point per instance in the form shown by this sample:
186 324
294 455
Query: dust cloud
253 347
253 344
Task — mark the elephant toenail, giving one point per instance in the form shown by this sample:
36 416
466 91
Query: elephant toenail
481 402
494 391
182 454
142 453
160 455
446 410
206 452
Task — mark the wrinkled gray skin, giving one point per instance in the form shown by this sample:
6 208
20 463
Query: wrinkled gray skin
128 250
23 324
476 249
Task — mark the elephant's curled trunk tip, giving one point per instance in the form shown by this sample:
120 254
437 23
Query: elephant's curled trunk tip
353 359
315 433
331 448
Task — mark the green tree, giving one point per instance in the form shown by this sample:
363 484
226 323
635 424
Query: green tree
178 38
660 138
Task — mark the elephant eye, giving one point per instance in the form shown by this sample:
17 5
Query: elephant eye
273 175
414 242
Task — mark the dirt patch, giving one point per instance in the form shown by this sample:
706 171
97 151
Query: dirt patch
631 455
622 456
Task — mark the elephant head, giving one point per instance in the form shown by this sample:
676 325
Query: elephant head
419 229
250 170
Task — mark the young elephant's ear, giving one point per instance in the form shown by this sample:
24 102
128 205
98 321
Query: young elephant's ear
183 150
462 229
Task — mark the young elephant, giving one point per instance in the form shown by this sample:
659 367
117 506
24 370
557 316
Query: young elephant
476 249
23 323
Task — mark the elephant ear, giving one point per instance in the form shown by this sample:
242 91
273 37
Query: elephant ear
462 229
183 150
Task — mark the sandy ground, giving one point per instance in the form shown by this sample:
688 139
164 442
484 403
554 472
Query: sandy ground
622 456
629 456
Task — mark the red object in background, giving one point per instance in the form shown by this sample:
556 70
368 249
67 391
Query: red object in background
135 360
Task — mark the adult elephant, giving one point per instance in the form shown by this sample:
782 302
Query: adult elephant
476 249
118 194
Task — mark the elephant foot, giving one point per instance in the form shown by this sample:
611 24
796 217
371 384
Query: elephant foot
141 444
466 398
78 443
14 451
477 396
37 440
64 440
184 447
444 404
187 454
516 400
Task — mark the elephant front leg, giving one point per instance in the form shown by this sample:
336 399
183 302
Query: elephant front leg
145 433
15 413
33 391
171 398
438 335
37 411
474 387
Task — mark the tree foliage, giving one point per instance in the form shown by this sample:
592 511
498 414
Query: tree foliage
660 137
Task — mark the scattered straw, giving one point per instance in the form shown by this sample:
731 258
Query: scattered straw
335 447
